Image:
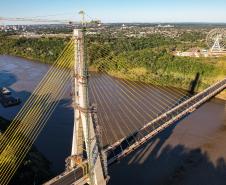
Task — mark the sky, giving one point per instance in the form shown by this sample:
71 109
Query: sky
119 10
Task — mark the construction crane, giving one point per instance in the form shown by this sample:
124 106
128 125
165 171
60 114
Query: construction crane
37 20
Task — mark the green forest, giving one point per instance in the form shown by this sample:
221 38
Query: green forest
147 59
151 60
45 50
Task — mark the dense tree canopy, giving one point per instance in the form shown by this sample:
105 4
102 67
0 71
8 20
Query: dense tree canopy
151 60
42 49
147 59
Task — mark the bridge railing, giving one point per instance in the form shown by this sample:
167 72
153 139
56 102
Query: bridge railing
220 84
78 175
121 148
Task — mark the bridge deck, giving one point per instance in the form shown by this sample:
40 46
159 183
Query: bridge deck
121 148
78 175
124 106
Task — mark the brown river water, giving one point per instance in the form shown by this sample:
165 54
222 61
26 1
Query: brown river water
190 152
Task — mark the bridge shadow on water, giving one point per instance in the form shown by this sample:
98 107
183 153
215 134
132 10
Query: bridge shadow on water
155 163
161 163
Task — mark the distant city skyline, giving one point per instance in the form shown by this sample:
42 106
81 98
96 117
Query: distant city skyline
119 10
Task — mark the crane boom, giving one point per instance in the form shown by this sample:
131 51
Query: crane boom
35 20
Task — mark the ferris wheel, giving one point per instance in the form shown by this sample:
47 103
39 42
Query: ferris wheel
216 40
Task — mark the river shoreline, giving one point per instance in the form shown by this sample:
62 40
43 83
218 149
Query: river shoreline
28 59
221 95
119 75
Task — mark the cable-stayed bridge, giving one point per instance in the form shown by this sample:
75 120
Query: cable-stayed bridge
90 156
127 145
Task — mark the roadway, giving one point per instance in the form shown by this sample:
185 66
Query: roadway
68 178
161 123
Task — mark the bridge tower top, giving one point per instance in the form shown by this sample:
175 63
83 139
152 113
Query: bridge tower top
85 145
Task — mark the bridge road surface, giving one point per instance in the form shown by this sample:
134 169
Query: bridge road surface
67 179
194 102
191 152
163 121
175 147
